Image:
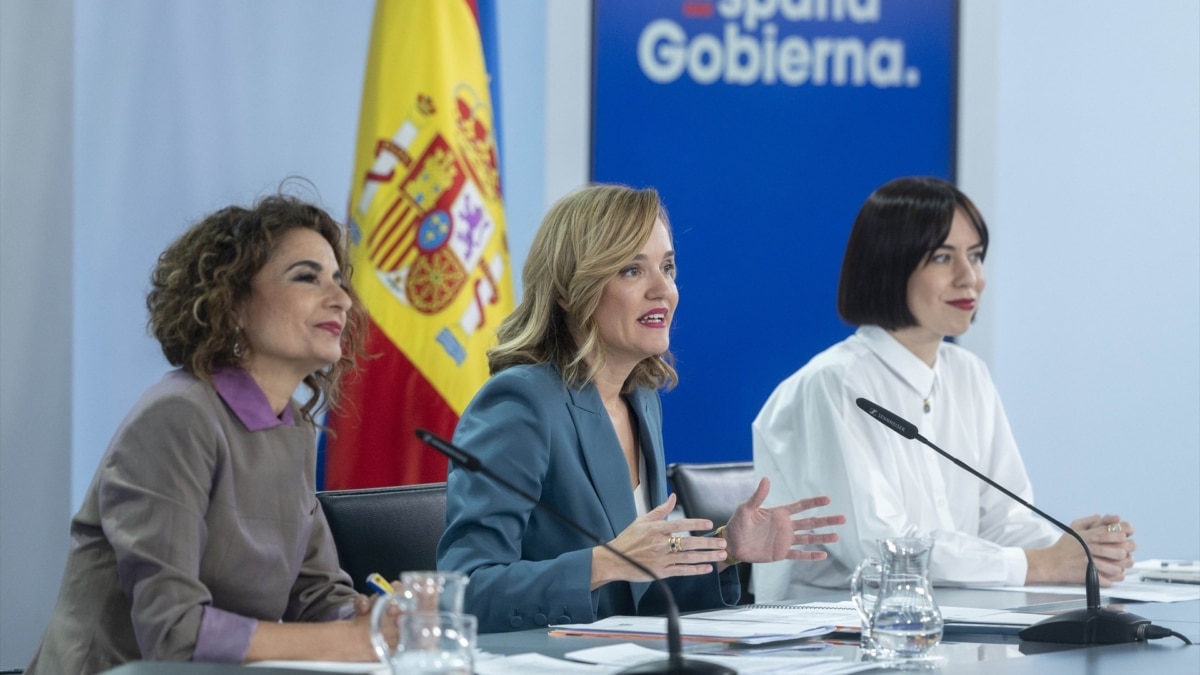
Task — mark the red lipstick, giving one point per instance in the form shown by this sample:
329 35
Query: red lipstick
965 305
332 327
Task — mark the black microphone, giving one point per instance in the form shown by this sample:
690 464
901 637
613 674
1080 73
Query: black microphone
1092 625
674 664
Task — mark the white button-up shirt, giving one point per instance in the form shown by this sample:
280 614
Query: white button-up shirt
810 438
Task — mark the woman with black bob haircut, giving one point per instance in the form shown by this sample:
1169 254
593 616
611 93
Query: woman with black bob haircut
913 276
201 538
896 229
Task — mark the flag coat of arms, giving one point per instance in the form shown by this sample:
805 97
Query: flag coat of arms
427 242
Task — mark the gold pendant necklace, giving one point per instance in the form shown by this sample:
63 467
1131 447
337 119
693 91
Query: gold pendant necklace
927 402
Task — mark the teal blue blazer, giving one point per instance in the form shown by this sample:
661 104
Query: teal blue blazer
526 568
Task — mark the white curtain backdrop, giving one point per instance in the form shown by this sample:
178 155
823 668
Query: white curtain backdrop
181 108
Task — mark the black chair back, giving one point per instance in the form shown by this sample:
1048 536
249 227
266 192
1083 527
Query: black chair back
387 530
713 491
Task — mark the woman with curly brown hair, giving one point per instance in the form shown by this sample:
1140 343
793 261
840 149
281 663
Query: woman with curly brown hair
200 537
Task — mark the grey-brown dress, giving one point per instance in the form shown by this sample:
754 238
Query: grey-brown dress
201 519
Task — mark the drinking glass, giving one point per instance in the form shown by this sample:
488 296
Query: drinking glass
864 592
420 593
435 643
906 622
434 591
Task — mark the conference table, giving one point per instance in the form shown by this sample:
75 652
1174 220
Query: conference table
975 653
970 654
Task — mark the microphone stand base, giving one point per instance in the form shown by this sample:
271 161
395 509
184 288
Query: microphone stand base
1089 626
683 667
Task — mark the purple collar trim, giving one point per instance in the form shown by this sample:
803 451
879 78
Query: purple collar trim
247 400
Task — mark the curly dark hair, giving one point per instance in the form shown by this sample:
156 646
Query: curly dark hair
204 277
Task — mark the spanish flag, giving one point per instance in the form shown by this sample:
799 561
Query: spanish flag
427 242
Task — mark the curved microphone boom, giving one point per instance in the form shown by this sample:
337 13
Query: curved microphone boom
675 664
1092 625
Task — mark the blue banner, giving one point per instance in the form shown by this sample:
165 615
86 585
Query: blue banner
764 124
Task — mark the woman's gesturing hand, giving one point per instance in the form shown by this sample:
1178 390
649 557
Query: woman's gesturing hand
760 535
652 541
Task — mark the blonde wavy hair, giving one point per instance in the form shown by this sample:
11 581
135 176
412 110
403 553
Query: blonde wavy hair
202 279
584 241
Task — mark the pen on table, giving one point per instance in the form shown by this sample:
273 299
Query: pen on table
379 584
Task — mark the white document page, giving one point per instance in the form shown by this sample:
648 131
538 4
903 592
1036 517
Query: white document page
750 632
1141 591
627 654
524 664
327 666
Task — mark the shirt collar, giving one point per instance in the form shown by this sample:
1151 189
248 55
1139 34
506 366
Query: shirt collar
908 366
246 399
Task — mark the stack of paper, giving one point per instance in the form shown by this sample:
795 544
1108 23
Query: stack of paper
697 627
1140 591
845 617
978 620
615 658
625 655
840 615
327 667
1169 571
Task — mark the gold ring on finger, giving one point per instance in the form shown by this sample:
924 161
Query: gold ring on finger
1114 527
675 544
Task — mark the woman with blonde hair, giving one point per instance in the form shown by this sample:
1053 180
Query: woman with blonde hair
201 537
572 415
